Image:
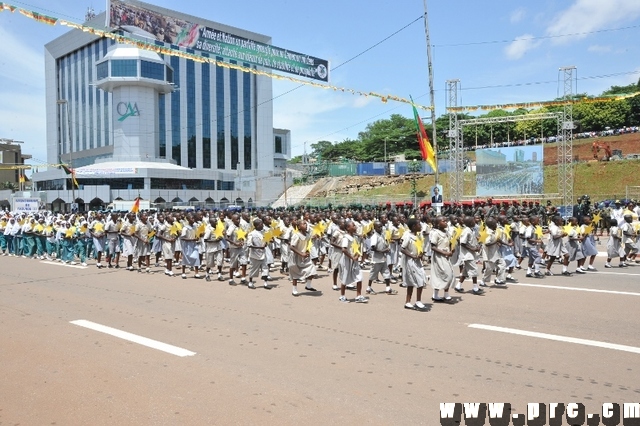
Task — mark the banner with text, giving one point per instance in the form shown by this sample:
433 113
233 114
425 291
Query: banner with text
185 34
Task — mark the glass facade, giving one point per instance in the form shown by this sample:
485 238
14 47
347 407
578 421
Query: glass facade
102 70
176 153
124 67
206 116
191 114
221 145
152 70
246 108
233 89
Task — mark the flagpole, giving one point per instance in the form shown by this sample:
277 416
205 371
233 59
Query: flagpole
431 91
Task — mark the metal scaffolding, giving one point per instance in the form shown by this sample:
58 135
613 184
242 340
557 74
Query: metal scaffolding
456 151
565 144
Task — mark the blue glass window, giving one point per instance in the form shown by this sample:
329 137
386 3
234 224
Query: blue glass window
221 149
102 70
124 68
233 89
152 70
206 116
246 108
176 153
191 114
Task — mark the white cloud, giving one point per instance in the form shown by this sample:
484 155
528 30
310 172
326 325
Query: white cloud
599 49
584 16
520 46
517 15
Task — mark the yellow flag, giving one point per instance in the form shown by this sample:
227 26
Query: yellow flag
567 229
309 245
268 236
387 235
200 230
174 229
219 231
483 234
596 218
317 229
241 233
99 227
419 244
538 232
355 248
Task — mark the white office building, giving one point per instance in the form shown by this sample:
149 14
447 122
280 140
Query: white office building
173 131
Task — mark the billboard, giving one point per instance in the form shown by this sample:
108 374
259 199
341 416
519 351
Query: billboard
509 171
171 30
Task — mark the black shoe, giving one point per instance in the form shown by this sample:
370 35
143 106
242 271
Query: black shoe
529 275
477 292
459 290
567 274
438 299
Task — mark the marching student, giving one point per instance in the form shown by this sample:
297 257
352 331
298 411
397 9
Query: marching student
335 253
168 239
629 237
301 268
469 255
237 254
491 254
112 229
506 247
574 245
97 232
588 243
442 276
350 272
555 248
214 257
380 248
285 239
142 229
257 256
413 274
190 254
615 248
128 239
82 238
532 244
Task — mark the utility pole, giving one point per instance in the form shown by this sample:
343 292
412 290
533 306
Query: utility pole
285 185
65 102
431 90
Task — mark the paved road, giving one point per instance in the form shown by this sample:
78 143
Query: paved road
265 357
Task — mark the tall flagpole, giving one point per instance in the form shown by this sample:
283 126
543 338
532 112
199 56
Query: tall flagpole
431 91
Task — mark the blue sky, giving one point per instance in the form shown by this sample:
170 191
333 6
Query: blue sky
479 42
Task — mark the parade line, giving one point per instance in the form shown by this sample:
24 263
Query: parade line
144 341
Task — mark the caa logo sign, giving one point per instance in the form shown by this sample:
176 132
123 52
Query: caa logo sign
126 110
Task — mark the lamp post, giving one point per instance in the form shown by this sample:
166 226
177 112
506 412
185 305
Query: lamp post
239 182
73 187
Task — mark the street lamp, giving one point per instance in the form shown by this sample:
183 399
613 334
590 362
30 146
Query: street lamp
239 181
73 187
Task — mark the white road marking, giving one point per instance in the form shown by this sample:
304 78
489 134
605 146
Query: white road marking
591 290
557 338
64 264
614 273
174 350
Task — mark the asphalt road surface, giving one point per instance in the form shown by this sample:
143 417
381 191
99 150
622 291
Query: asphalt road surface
241 356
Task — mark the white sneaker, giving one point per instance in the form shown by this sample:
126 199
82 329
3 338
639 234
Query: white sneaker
236 274
73 263
184 276
343 299
148 270
168 272
196 276
420 305
251 286
294 292
83 264
361 299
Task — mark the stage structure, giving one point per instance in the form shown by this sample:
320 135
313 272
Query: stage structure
456 150
565 139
